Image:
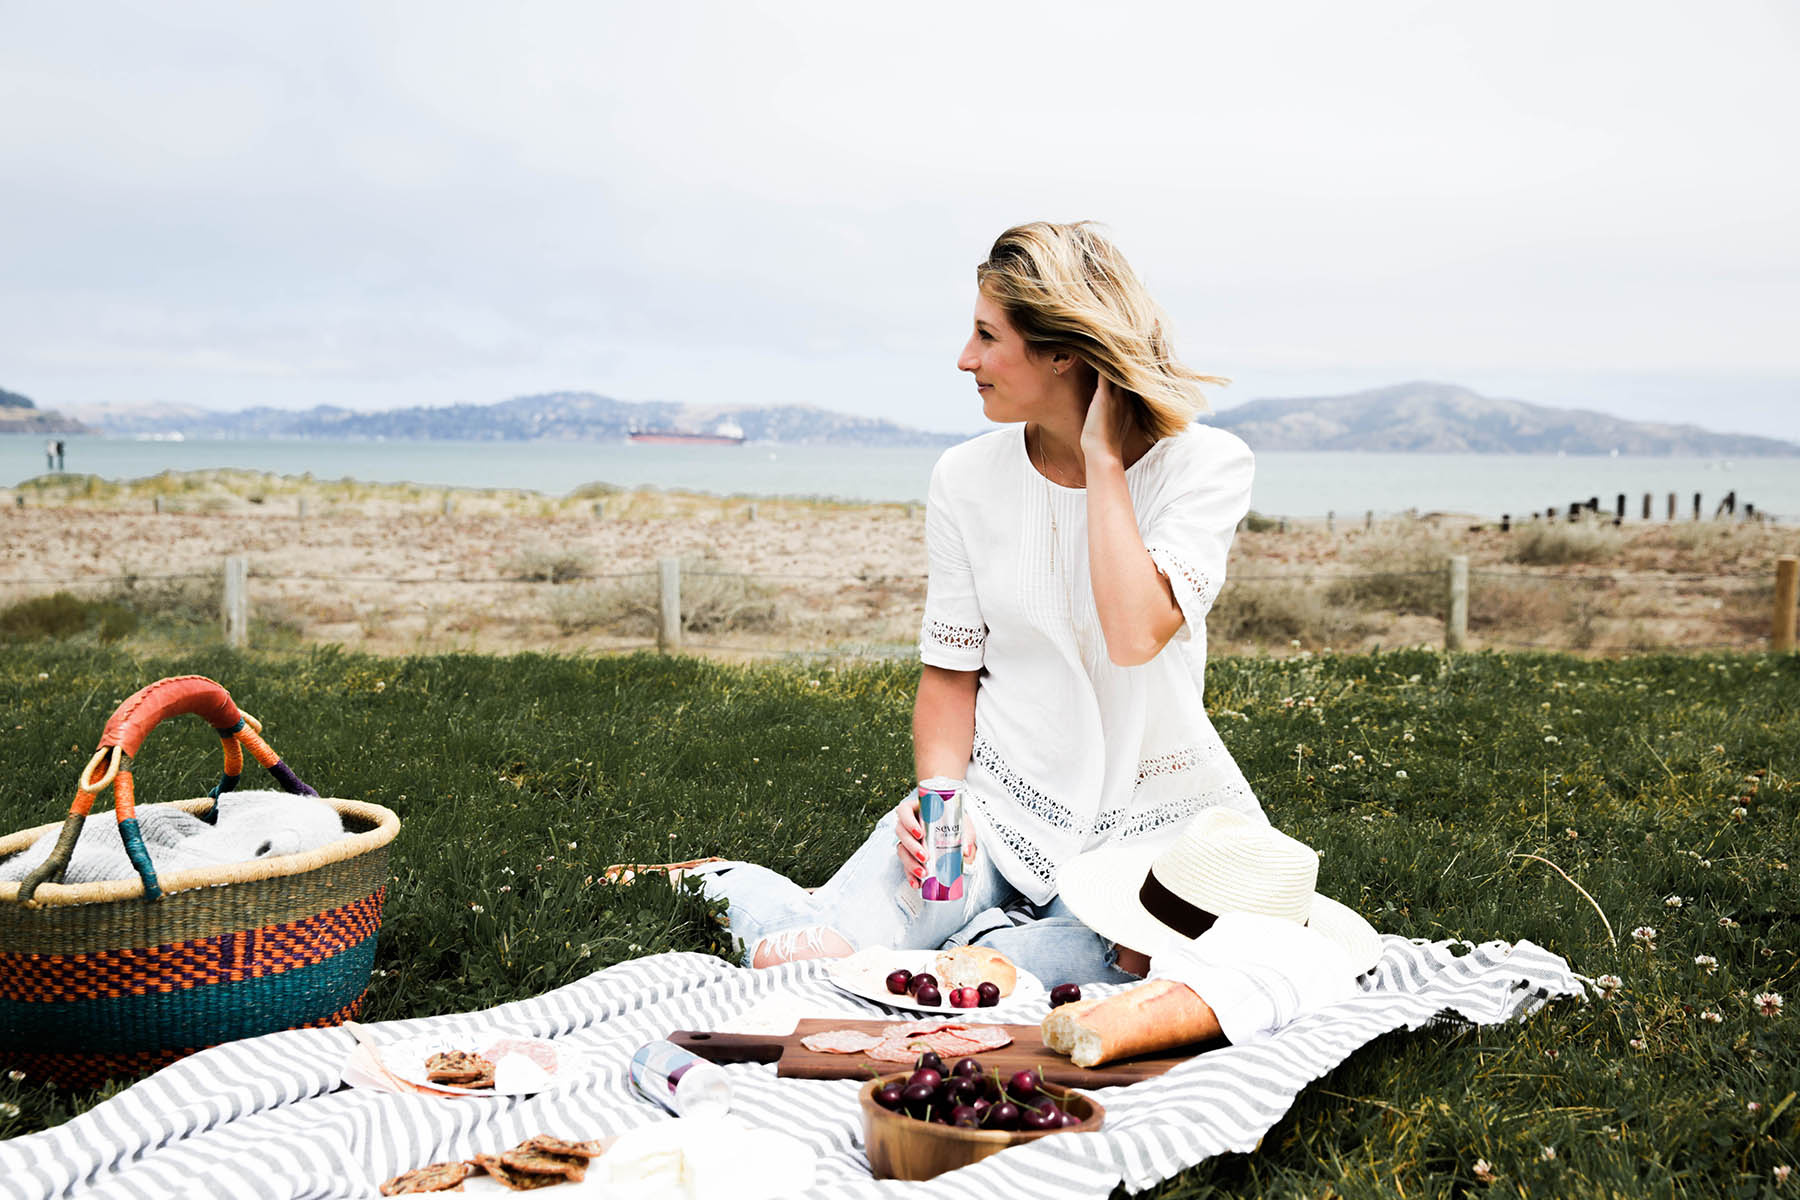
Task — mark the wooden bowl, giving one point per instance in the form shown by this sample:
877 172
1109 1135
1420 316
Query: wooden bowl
901 1147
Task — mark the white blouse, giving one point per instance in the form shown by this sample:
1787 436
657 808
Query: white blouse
1072 751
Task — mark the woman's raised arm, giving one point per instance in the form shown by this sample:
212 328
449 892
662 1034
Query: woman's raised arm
1138 613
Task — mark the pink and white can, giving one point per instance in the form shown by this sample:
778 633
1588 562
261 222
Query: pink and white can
941 813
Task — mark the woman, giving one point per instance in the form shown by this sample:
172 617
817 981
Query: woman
1073 557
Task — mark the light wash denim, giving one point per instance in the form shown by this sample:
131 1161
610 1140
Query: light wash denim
871 903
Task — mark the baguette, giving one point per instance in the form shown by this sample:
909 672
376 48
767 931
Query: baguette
1159 1014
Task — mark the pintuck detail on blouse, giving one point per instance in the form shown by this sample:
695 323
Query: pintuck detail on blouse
1071 750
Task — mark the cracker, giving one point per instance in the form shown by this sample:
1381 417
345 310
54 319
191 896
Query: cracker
541 1162
518 1181
438 1177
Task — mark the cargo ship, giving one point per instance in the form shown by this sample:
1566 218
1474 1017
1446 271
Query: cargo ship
725 433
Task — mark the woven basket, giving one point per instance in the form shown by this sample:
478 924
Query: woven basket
115 979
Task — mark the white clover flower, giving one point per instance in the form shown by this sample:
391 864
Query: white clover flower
1552 739
1727 923
1608 985
16 1076
476 908
1708 961
1636 1043
506 887
1547 1154
43 676
1571 834
1768 1003
1673 901
1739 813
1400 775
1753 1108
1712 1018
1781 1173
381 685
1408 737
571 845
8 1109
1645 934
1483 1170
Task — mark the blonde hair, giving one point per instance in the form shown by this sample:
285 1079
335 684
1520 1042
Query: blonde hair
1067 287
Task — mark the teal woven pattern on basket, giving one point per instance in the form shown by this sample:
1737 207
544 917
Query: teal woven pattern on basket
199 1016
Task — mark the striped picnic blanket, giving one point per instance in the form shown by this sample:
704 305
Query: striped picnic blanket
266 1117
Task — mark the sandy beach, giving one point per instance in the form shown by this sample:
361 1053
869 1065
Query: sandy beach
396 569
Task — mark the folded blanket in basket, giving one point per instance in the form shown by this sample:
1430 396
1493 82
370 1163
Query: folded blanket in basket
251 825
263 1117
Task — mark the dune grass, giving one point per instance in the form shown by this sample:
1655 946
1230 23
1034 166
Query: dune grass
1425 780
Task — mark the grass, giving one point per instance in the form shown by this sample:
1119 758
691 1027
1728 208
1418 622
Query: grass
1422 778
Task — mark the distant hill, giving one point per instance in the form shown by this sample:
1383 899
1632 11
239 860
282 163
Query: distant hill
567 416
19 415
1445 419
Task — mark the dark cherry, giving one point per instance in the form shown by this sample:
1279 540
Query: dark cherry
965 1116
927 1076
1069 1118
921 981
890 1097
959 1089
1024 1083
969 1068
928 996
917 1095
990 1089
989 994
929 1061
1039 1119
981 1106
899 982
1004 1115
1064 993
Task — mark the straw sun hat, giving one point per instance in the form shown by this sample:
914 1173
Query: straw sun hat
1145 897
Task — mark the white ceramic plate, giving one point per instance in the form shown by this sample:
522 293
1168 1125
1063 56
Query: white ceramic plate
523 1075
865 974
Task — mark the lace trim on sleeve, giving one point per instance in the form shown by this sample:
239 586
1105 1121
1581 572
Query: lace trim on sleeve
1200 586
957 637
1031 798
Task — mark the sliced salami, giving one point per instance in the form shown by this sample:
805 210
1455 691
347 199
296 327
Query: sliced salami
841 1041
991 1037
894 1050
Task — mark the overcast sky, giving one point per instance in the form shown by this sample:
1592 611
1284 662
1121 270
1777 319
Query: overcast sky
371 205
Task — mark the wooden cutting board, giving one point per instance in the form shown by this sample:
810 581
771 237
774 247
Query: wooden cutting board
1027 1049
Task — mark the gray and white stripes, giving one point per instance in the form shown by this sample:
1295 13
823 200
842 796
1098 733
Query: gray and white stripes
262 1118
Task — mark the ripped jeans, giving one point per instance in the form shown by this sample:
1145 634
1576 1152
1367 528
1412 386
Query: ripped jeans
871 903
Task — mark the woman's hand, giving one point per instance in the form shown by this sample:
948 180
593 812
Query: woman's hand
909 834
1108 423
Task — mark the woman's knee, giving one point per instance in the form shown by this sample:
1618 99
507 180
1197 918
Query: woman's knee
797 945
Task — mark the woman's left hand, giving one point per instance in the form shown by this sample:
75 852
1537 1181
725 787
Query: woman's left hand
1108 422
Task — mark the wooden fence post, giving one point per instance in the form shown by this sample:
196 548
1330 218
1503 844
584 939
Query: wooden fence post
158 504
1674 507
1456 610
750 513
237 601
1369 521
449 504
302 509
1787 586
668 613
1331 521
1647 500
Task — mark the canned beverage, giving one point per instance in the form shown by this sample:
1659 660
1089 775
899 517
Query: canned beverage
940 812
684 1083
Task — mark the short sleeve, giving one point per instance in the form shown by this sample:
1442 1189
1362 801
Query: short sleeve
952 635
1189 535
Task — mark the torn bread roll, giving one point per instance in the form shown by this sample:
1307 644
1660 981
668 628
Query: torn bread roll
972 966
1159 1014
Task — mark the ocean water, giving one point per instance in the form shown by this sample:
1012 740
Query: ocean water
1308 484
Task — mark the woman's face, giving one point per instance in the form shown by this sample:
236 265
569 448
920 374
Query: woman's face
1013 382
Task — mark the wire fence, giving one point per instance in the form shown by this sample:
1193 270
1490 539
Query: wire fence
868 614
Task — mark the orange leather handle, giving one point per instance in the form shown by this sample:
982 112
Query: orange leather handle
132 722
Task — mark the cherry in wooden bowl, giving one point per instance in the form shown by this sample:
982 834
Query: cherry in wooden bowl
901 1146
